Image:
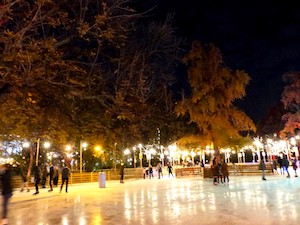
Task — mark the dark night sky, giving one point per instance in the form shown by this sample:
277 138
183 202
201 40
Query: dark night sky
259 37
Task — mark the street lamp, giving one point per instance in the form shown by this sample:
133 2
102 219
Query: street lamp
46 145
81 146
134 157
141 155
98 149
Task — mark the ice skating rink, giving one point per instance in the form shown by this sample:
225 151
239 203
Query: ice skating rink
174 201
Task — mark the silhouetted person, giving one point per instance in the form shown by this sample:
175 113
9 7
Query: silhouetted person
225 171
51 173
37 179
6 190
262 167
215 171
295 166
285 164
159 170
44 177
65 173
55 176
150 172
24 181
122 173
170 170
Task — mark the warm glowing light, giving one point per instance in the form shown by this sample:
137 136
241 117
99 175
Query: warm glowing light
84 144
47 144
26 144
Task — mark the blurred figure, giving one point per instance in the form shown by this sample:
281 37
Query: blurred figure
65 173
145 172
37 179
281 169
122 173
24 181
51 173
225 171
44 177
170 170
294 164
286 164
262 167
274 164
55 176
215 171
150 172
6 190
159 170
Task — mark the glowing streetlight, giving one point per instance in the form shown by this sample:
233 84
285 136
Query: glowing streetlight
141 155
134 156
82 145
26 144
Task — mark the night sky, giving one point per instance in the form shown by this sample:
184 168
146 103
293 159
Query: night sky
259 37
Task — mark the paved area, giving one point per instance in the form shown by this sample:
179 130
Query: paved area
188 201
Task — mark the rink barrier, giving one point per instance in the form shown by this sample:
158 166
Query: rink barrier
238 169
87 177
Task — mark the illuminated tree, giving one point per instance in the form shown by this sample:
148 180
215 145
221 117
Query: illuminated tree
214 88
83 69
291 102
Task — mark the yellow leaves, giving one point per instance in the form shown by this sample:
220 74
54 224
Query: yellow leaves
83 28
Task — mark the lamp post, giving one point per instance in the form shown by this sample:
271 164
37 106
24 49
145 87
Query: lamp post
98 149
162 156
140 155
37 152
81 146
46 145
134 157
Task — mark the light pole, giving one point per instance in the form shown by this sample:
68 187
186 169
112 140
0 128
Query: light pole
46 145
81 145
140 155
98 149
37 152
134 157
162 156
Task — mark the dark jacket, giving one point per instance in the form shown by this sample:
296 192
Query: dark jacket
122 170
65 173
51 172
6 181
37 174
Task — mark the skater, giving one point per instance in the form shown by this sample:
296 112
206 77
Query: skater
37 179
122 173
6 190
170 170
65 173
262 167
51 173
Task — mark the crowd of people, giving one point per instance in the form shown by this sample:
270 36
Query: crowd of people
148 172
219 171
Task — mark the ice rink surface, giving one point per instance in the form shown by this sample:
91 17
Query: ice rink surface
175 201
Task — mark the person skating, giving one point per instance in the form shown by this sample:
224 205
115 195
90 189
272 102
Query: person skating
51 173
6 190
65 173
37 179
122 173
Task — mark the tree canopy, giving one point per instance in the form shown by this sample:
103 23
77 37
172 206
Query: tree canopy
214 88
291 101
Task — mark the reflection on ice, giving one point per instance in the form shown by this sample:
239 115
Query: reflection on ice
164 201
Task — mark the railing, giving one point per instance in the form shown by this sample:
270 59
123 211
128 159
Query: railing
239 169
86 177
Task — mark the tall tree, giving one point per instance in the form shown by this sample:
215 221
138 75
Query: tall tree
291 101
214 88
83 69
